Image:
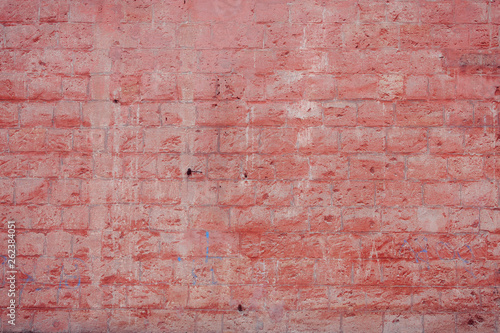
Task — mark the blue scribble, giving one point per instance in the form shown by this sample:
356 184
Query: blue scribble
29 279
195 277
207 234
449 248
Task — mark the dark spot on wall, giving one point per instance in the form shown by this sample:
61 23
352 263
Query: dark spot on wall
240 308
115 101
189 172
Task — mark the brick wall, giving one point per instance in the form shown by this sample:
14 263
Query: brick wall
251 165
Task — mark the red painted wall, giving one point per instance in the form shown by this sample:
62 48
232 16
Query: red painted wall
251 165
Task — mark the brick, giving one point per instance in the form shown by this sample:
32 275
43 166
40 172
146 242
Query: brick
406 140
290 167
98 114
209 218
488 218
142 166
285 85
13 86
304 113
37 115
163 140
65 192
442 193
9 115
334 272
282 140
353 193
403 12
416 87
325 218
410 323
51 320
249 219
239 140
30 244
31 191
89 320
127 139
464 220
377 167
480 140
158 87
358 86
31 36
284 35
371 35
466 167
75 217
362 139
399 193
371 12
177 114
127 319
476 87
87 245
446 140
223 113
76 35
486 113
442 86
317 140
361 219
419 114
269 114
160 191
323 167
67 114
288 219
194 35
312 193
203 297
271 12
59 140
340 12
319 321
480 193
241 193
362 322
339 113
438 322
63 239
318 35
274 193
375 113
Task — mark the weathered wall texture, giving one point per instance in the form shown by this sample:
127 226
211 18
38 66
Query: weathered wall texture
251 165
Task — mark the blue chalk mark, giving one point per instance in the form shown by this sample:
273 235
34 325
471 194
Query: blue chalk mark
194 275
179 258
207 234
449 248
29 279
214 281
416 254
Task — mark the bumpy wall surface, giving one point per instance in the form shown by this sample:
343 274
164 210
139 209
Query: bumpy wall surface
250 165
